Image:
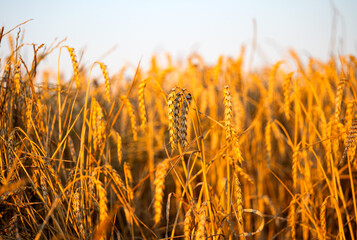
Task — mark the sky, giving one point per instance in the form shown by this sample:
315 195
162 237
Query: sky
135 30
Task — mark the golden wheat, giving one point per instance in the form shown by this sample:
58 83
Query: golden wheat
69 166
142 103
106 80
74 65
159 189
132 117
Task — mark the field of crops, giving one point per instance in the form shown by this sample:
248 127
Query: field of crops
184 150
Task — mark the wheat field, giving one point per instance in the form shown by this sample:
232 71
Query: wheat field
183 150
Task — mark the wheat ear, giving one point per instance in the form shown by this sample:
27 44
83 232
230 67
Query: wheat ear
177 107
236 148
268 145
286 91
351 140
159 189
338 100
142 104
272 73
323 217
98 126
183 122
188 224
132 117
171 107
102 194
292 219
106 79
71 148
228 112
74 65
239 199
17 77
77 212
295 163
200 233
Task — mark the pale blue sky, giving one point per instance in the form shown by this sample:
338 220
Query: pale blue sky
139 29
